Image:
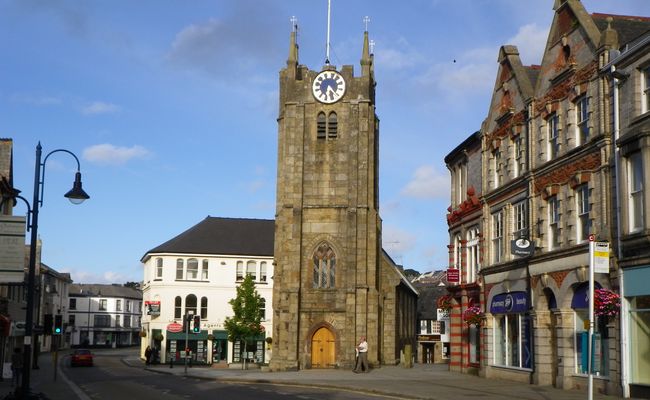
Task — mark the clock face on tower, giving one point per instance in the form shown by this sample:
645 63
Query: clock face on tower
328 87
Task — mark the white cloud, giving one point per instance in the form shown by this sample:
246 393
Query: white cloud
427 183
402 56
530 41
108 154
99 107
38 100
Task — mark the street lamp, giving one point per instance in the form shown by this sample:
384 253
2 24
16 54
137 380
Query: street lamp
76 195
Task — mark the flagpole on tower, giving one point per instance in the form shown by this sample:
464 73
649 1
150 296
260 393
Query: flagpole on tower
327 45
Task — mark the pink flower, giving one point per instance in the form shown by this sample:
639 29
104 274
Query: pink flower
606 303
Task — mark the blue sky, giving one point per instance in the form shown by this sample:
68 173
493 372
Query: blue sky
171 107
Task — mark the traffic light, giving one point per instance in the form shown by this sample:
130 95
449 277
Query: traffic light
48 322
196 328
58 324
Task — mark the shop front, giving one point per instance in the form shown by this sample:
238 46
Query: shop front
636 321
511 334
219 346
193 346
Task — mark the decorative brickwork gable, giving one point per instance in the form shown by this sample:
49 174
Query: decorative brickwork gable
565 173
565 88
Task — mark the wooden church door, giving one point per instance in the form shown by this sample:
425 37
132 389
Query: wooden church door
322 349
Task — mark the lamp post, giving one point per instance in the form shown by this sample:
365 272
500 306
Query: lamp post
76 195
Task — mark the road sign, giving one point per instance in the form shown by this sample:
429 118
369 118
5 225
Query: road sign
601 258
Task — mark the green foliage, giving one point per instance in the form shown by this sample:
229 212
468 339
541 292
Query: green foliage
245 323
134 285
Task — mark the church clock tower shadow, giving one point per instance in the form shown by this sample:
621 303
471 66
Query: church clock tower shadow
332 281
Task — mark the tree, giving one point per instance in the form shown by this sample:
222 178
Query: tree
245 323
134 285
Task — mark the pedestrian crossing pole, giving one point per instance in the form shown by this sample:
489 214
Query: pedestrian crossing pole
590 354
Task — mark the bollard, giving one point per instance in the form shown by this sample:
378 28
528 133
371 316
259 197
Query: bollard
408 358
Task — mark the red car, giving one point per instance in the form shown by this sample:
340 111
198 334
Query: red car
81 357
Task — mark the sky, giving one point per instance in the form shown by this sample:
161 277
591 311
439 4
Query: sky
171 108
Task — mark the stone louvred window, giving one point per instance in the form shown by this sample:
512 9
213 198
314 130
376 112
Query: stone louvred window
321 126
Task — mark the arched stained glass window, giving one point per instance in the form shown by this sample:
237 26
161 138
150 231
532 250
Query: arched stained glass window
324 260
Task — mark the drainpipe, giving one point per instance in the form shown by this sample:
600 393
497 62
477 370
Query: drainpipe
617 169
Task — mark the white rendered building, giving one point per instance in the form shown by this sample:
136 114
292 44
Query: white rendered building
197 272
104 315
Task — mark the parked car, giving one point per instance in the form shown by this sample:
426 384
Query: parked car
81 357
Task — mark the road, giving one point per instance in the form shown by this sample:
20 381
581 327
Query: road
111 379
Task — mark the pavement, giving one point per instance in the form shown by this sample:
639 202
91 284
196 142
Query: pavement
423 381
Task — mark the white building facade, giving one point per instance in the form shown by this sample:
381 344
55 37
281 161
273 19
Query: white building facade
197 273
103 316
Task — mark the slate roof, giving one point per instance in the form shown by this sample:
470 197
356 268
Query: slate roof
214 235
114 290
628 28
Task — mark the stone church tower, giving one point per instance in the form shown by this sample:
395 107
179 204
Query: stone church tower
327 277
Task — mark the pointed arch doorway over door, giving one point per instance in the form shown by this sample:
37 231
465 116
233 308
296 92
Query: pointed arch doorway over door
323 349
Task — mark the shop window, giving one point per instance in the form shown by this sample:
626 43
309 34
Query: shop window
512 341
474 344
640 340
600 342
600 339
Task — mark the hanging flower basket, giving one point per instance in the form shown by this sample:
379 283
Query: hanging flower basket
473 315
210 337
269 340
444 303
158 336
606 303
143 333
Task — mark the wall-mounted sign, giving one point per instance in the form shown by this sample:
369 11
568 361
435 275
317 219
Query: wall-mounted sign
12 249
174 327
453 275
506 303
152 307
522 247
